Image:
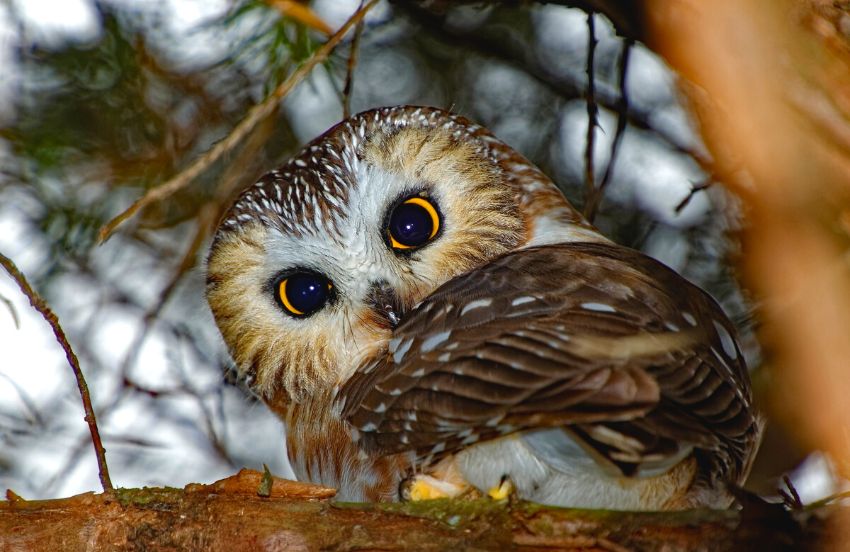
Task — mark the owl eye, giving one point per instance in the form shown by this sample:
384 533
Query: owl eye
303 293
413 223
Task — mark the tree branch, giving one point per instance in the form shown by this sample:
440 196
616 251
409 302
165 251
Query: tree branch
230 515
569 87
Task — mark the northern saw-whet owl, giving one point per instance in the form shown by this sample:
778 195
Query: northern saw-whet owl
429 316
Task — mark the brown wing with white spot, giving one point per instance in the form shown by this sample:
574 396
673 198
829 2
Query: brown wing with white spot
627 356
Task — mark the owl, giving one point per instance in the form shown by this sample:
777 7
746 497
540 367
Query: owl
429 316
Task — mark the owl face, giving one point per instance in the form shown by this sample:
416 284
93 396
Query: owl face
314 265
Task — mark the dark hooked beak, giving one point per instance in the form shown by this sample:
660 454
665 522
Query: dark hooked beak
386 303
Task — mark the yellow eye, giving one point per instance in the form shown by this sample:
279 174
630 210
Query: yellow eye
303 293
413 223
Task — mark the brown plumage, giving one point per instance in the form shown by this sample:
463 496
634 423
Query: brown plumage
514 342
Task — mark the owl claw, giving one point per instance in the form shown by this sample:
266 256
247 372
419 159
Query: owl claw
503 491
425 487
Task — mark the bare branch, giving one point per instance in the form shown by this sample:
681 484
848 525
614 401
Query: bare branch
790 497
695 188
349 73
592 111
592 205
524 59
254 116
41 306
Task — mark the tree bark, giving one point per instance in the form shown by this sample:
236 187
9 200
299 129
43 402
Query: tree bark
230 515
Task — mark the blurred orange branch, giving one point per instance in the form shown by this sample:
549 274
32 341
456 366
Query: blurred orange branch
769 82
301 13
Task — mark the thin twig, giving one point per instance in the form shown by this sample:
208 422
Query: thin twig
791 497
592 110
256 114
622 122
239 170
41 306
12 311
523 59
349 73
827 500
695 188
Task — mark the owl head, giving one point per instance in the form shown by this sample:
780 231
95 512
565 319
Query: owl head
314 265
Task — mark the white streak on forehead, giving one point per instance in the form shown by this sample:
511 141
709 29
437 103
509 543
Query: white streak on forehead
350 249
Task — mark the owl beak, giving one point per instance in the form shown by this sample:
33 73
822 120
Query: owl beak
386 303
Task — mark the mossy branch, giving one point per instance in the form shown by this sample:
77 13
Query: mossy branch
230 515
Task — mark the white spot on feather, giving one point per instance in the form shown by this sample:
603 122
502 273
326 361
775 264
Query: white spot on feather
689 318
726 340
522 300
477 304
598 307
470 440
722 360
431 342
493 422
398 354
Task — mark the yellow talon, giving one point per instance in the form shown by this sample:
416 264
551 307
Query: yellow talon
421 490
425 487
503 491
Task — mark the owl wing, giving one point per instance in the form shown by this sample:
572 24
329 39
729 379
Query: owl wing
637 364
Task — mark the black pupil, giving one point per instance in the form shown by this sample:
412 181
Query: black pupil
307 292
411 224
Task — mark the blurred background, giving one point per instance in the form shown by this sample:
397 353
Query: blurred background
101 101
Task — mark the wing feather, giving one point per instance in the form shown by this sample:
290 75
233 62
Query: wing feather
612 346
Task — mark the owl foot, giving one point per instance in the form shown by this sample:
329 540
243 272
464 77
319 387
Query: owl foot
425 487
503 490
